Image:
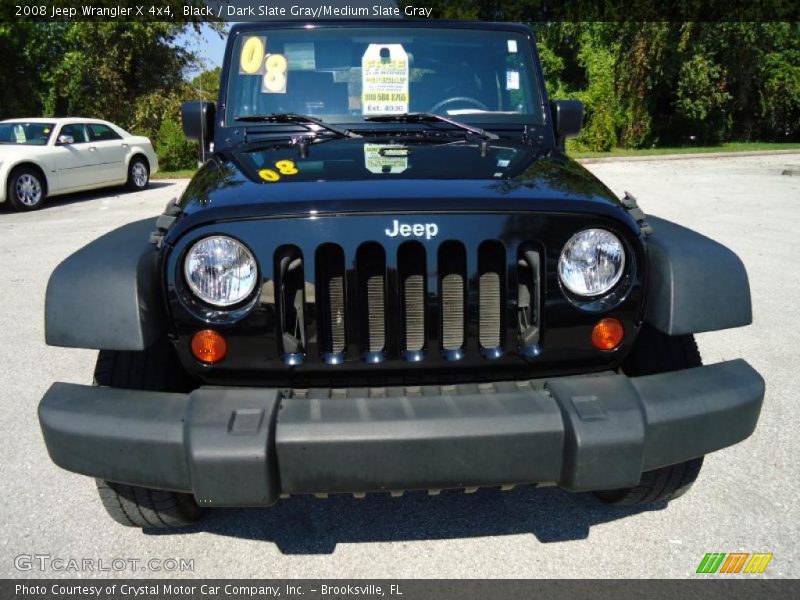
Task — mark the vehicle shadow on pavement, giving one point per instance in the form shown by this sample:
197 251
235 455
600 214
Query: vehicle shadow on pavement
67 199
309 525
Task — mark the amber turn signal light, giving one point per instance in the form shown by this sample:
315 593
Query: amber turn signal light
607 334
209 347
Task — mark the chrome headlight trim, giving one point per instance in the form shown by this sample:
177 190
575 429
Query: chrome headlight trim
591 263
220 270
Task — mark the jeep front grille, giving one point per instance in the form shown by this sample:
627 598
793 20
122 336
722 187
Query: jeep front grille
491 269
412 305
376 313
414 314
336 314
452 311
490 309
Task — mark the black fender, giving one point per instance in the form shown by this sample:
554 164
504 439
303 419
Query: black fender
107 295
694 284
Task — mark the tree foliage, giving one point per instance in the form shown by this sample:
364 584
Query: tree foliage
134 74
662 83
651 84
105 65
643 83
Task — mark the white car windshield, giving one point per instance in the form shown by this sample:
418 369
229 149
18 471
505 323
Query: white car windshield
344 75
29 134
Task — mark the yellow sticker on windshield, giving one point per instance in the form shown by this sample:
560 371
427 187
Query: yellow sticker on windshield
268 175
286 167
282 167
274 81
384 80
252 55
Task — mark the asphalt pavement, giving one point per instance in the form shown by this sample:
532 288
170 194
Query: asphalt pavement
745 500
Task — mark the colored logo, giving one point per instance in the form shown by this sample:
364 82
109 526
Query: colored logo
734 562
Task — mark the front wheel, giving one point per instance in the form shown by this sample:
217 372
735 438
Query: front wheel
156 368
149 509
659 485
138 174
656 352
26 189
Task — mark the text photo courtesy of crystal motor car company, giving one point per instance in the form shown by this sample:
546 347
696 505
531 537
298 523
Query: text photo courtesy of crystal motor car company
387 276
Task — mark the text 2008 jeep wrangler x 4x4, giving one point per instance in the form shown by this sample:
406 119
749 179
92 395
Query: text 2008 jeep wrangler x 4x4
387 276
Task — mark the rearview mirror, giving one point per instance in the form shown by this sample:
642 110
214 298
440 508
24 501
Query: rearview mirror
567 119
198 121
66 139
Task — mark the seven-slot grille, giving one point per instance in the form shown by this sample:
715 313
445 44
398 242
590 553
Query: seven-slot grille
449 304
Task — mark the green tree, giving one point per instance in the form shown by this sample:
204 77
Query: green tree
642 83
175 152
28 51
206 85
107 65
157 115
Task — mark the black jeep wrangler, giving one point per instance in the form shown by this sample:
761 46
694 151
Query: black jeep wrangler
388 276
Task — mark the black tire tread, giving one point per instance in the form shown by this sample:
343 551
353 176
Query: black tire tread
134 506
154 369
656 352
660 485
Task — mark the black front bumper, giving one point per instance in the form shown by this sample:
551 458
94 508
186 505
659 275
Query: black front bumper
246 446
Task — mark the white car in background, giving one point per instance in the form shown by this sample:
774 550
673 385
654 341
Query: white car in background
47 157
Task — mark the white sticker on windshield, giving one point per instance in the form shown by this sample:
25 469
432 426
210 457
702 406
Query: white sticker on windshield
300 56
274 80
512 46
512 80
384 80
385 158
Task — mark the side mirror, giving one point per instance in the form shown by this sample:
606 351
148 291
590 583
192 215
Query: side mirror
567 119
198 121
65 139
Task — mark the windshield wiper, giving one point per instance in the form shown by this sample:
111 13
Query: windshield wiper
299 119
431 118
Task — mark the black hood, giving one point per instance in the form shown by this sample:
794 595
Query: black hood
369 175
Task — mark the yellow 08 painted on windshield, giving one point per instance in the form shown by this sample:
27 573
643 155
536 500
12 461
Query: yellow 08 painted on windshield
252 55
284 167
269 175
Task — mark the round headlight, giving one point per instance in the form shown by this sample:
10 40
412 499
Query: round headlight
591 262
221 271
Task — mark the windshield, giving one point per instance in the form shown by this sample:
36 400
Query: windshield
346 74
30 134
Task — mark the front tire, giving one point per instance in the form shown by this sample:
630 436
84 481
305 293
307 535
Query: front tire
659 485
138 174
26 189
156 369
656 352
134 506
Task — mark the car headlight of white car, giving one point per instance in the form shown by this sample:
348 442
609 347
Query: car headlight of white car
221 271
591 263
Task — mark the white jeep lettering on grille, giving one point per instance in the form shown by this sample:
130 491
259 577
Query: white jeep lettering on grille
426 230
